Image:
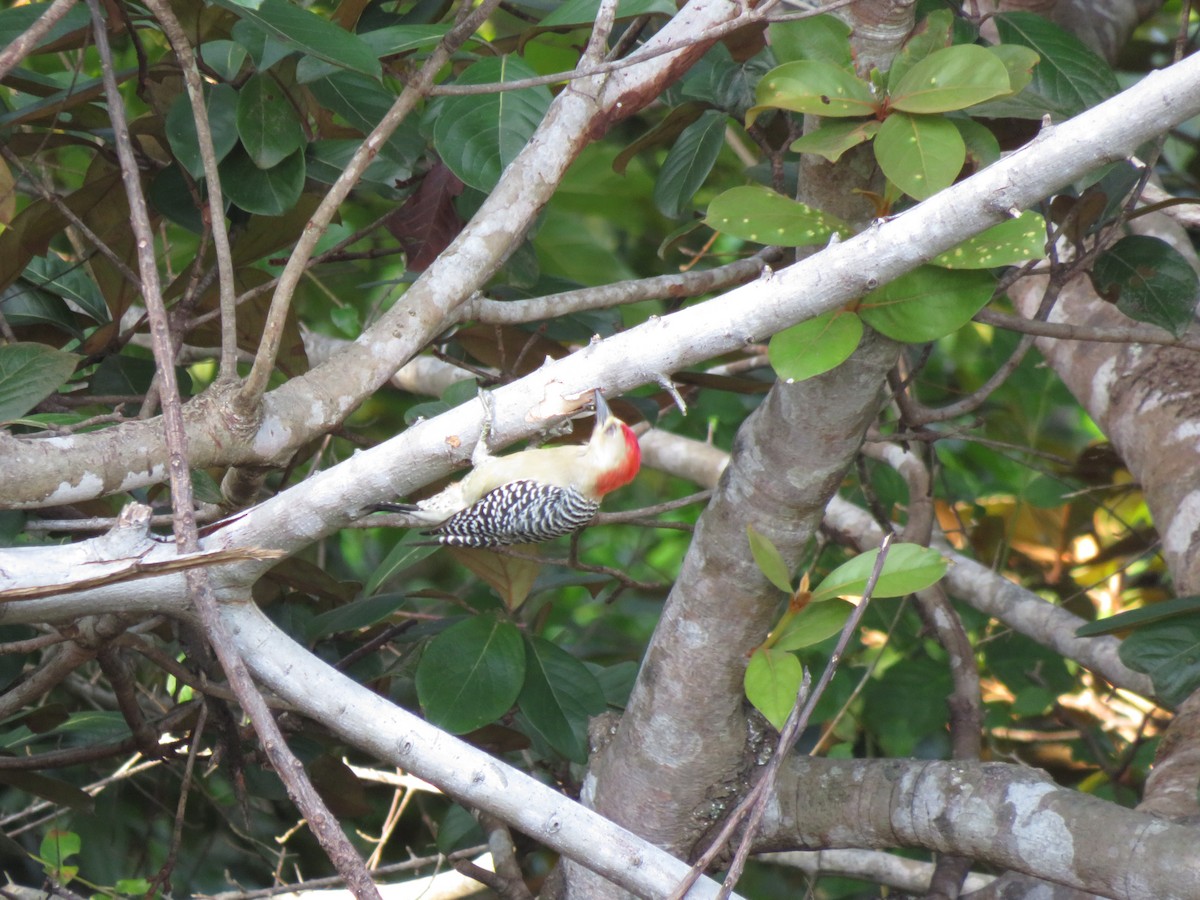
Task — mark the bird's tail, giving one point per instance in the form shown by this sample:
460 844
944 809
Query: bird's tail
394 507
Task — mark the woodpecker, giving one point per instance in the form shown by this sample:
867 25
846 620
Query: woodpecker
533 495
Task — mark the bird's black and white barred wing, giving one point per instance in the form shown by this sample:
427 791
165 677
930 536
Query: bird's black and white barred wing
520 512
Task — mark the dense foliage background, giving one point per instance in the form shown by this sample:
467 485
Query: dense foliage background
242 243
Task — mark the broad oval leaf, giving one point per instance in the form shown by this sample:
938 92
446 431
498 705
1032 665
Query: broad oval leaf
559 696
759 214
221 104
812 86
813 624
927 303
951 78
29 373
824 38
1010 243
816 346
835 138
1149 281
688 163
477 136
772 681
471 674
267 123
1070 77
931 35
769 560
511 577
267 192
921 155
408 552
908 568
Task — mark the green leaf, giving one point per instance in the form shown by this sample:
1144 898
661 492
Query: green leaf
823 38
267 124
688 163
931 35
408 552
982 147
71 282
1070 78
921 155
390 41
560 694
1018 61
1133 618
926 303
583 12
223 57
907 706
772 681
813 624
56 846
835 138
29 373
221 102
1169 652
25 304
949 79
267 192
908 568
471 674
811 86
477 136
769 561
1149 280
756 213
307 32
16 20
1011 243
362 613
816 346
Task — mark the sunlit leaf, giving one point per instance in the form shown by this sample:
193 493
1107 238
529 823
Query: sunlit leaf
816 346
835 138
813 624
757 213
921 155
908 568
1010 243
769 560
951 78
811 86
772 681
927 303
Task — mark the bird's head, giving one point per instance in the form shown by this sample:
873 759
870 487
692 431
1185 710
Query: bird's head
614 450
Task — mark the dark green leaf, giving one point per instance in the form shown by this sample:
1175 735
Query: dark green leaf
907 707
391 41
770 562
818 88
267 192
1149 280
16 20
1070 78
583 12
949 79
266 123
223 57
921 155
1169 652
29 373
362 613
25 304
71 282
927 303
1133 618
688 163
1010 243
816 346
309 33
757 213
471 674
477 136
559 696
772 681
60 793
221 102
408 552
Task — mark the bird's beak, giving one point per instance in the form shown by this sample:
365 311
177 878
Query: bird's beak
602 410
